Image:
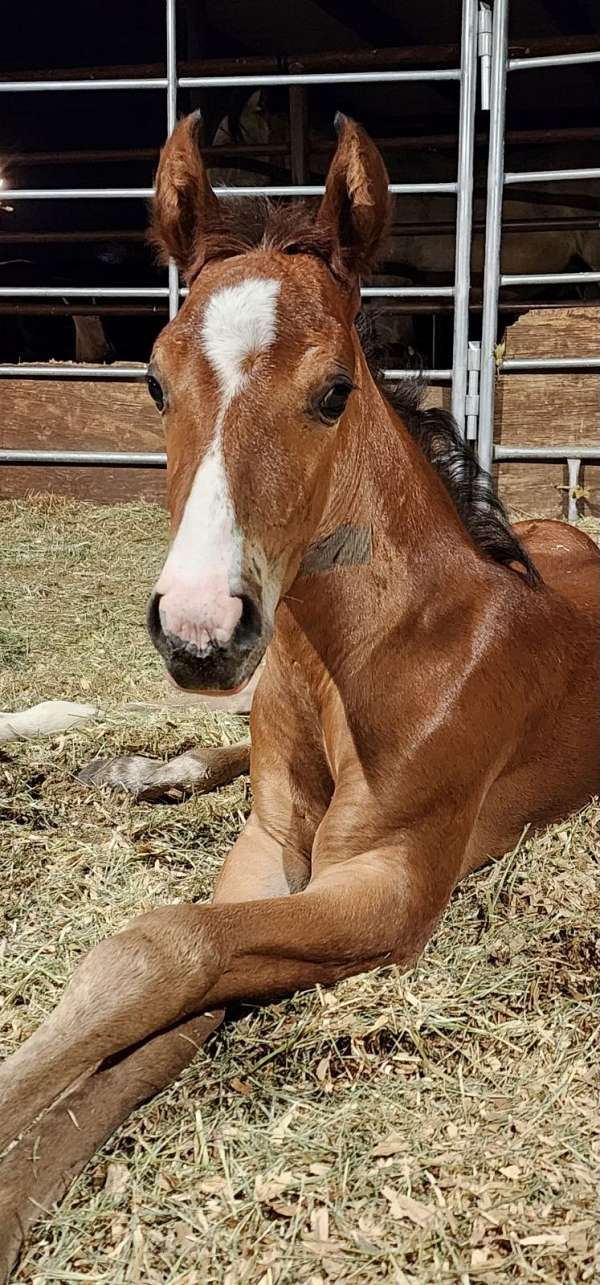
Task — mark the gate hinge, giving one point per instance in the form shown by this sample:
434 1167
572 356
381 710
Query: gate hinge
472 397
484 50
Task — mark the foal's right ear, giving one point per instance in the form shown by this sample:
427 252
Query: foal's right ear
185 209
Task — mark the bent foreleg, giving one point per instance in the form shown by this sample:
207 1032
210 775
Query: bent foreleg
148 779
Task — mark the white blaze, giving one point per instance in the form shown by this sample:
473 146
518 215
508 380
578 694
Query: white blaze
201 578
239 321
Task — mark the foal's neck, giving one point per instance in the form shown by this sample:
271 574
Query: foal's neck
382 479
389 548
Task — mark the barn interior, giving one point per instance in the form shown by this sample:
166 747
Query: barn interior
111 139
284 135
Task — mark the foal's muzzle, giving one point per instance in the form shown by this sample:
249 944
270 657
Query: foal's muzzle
215 666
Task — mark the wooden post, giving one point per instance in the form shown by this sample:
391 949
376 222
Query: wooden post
299 134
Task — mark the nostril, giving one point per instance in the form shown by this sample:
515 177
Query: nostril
153 620
249 625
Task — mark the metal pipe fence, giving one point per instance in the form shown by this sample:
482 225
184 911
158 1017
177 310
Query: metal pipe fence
273 189
462 188
494 279
483 53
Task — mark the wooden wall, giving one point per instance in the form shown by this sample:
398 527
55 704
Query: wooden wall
54 414
550 409
530 409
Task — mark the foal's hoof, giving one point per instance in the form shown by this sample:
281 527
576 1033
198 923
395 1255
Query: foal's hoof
135 774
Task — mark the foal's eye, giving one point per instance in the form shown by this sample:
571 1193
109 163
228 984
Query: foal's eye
333 402
156 392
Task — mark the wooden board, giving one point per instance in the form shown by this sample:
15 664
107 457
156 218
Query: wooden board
549 409
54 414
530 409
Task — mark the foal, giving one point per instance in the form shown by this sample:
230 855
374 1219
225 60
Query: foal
425 693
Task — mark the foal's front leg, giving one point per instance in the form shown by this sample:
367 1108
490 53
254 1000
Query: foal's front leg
137 983
147 779
38 1170
180 960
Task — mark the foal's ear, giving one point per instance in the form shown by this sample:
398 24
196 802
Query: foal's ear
356 206
185 209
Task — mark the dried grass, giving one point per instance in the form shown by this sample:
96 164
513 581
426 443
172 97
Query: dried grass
436 1126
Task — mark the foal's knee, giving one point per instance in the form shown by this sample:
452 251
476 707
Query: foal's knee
144 978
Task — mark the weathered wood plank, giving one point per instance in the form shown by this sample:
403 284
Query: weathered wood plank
52 414
530 409
549 409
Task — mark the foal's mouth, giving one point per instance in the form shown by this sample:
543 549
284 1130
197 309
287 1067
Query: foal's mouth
217 666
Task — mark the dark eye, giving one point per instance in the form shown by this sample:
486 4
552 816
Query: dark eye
156 392
333 403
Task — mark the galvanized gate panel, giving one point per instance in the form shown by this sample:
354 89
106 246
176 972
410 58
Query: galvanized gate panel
501 67
462 187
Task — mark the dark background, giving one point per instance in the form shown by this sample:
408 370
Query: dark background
128 37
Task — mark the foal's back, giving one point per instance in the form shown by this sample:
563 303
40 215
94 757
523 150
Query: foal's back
568 561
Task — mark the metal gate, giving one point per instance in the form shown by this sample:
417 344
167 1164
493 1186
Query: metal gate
501 68
483 41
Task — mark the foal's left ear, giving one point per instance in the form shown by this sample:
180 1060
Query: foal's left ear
356 206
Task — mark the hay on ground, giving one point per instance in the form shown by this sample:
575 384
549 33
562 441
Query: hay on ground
418 1128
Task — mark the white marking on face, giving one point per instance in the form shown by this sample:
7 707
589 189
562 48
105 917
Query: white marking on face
239 322
201 579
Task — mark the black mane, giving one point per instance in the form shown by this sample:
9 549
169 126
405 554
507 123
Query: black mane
469 486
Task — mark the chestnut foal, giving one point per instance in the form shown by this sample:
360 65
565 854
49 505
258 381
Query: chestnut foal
425 695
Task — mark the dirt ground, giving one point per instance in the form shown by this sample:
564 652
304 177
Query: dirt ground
435 1126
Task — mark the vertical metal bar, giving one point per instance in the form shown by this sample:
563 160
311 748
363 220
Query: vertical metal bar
493 233
464 209
573 467
299 134
171 18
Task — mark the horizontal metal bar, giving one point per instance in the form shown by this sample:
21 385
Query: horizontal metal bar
157 459
548 364
48 86
441 375
548 278
319 78
87 459
161 292
49 370
541 453
553 60
407 292
550 176
76 193
317 189
230 82
145 193
84 292
128 374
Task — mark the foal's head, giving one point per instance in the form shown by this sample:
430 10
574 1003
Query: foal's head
256 377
